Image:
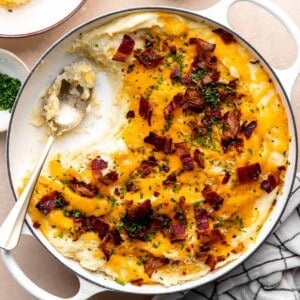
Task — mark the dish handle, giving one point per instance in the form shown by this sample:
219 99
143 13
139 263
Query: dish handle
86 288
288 76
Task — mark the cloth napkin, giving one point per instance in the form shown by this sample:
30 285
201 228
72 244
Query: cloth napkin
272 272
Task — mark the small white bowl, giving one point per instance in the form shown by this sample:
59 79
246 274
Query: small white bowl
14 67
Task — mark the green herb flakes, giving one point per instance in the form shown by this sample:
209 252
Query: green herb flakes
9 88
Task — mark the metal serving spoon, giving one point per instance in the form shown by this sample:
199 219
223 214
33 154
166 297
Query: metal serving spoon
71 112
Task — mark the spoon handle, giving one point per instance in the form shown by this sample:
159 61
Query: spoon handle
11 228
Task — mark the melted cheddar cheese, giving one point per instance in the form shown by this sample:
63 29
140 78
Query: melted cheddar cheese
231 225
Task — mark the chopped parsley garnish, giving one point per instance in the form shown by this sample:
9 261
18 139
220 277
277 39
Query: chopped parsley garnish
9 88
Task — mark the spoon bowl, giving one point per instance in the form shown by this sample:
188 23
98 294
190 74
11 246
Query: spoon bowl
71 112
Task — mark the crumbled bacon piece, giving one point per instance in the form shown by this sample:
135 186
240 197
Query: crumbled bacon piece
137 219
203 45
125 48
170 180
212 197
147 166
152 263
51 201
177 231
232 142
176 102
193 100
83 189
226 36
184 154
91 223
175 73
130 114
248 173
269 184
226 178
177 227
160 222
145 110
109 178
212 260
248 128
110 242
97 165
36 224
199 158
201 217
211 115
148 58
172 48
231 124
137 282
161 143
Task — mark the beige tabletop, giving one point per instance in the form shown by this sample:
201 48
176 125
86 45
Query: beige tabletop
254 24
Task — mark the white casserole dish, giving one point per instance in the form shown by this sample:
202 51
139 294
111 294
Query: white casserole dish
42 75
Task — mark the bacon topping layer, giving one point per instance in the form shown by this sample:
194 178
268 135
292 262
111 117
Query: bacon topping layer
125 49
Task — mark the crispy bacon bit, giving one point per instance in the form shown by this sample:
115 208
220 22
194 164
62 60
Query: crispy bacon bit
170 180
147 166
125 48
248 129
109 178
97 165
130 114
226 178
212 197
235 142
231 127
211 115
137 219
36 224
137 282
110 241
160 222
51 201
82 188
202 45
148 58
161 143
175 74
269 184
226 36
152 263
177 231
193 100
176 102
199 158
177 228
172 48
91 223
184 154
201 218
231 124
212 260
145 110
248 173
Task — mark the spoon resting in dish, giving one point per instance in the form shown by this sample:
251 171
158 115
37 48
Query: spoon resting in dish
73 100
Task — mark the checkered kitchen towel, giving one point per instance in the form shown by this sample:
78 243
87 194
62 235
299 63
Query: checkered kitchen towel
273 272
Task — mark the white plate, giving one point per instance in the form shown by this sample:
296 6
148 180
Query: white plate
36 16
13 66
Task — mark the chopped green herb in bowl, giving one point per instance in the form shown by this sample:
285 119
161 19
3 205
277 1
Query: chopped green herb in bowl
9 88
